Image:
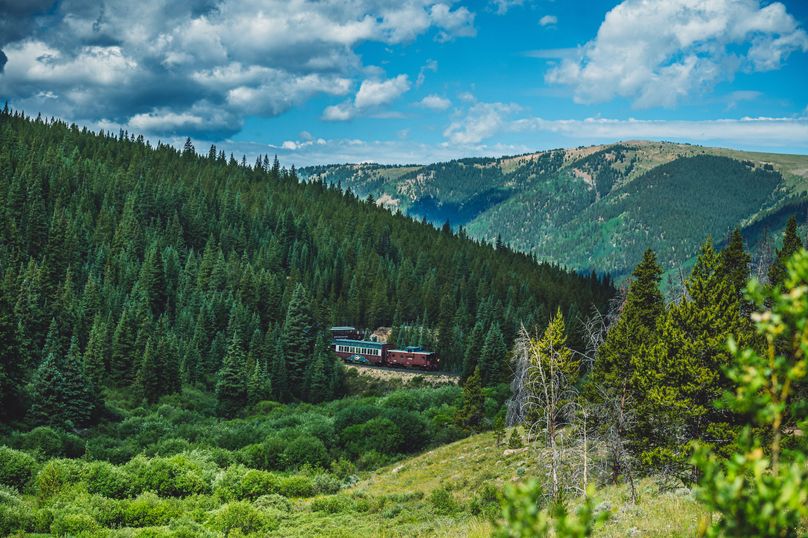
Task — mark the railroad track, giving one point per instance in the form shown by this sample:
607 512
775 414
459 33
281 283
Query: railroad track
403 371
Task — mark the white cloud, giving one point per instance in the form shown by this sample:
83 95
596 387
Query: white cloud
481 121
430 65
340 112
372 94
734 132
457 23
132 61
380 92
501 7
435 102
548 20
655 53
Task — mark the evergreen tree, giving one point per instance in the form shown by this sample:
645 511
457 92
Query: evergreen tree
474 346
734 262
231 386
616 364
472 410
791 244
492 357
78 400
554 341
317 380
298 339
149 379
95 356
259 386
47 394
11 367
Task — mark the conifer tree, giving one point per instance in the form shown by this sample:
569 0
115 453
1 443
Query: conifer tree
123 357
95 356
734 261
231 386
474 346
492 357
11 366
791 244
149 378
472 410
617 359
78 400
259 386
554 341
47 394
298 339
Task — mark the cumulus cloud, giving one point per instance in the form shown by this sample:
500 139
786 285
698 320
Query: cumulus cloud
430 65
655 53
479 122
132 63
373 93
548 20
435 102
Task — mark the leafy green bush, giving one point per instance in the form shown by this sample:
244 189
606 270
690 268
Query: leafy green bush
148 510
333 504
306 450
74 525
297 486
443 501
16 468
176 476
256 483
241 516
326 484
55 475
273 501
379 434
106 479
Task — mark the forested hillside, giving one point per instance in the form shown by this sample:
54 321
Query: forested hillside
128 266
597 208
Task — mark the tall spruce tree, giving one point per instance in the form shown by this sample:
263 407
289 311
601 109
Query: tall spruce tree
11 365
47 394
231 385
78 400
791 244
616 362
259 386
492 357
472 409
298 339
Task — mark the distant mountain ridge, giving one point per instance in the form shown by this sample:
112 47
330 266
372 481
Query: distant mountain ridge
595 207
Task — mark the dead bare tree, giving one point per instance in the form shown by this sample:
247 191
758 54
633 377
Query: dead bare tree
763 259
550 402
617 417
517 403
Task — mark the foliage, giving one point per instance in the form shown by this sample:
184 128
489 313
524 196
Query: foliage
753 490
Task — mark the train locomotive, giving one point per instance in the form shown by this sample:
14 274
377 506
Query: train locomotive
348 344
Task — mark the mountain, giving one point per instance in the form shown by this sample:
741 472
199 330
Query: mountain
595 208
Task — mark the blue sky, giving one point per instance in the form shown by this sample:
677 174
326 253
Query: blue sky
416 80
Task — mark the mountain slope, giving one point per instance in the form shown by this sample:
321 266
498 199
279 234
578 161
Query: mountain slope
575 206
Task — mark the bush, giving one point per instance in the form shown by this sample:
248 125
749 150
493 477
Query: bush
326 484
486 503
333 504
44 440
16 468
414 429
379 434
74 524
149 510
55 475
177 476
273 501
306 450
241 516
268 455
256 483
443 501
297 486
105 479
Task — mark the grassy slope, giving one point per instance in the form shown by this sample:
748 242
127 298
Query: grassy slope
464 467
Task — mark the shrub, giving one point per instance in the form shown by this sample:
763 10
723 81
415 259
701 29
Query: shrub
241 516
105 479
267 455
74 524
177 476
55 475
306 450
354 414
380 434
265 407
44 440
168 447
273 501
149 510
16 468
333 504
443 501
256 483
297 486
414 429
326 484
486 502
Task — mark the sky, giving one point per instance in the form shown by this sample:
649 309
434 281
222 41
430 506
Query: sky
414 81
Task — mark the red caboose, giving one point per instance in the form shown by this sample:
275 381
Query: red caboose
413 357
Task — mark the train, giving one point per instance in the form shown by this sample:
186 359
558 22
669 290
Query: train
349 345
